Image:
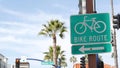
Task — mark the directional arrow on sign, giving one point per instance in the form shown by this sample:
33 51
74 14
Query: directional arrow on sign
83 49
91 49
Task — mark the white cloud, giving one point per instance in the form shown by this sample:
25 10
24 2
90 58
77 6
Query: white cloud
39 16
19 24
24 41
7 38
28 47
60 6
19 28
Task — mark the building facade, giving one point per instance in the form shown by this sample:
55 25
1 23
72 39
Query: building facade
77 65
24 65
3 61
19 64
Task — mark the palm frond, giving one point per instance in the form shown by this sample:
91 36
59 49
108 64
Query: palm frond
54 27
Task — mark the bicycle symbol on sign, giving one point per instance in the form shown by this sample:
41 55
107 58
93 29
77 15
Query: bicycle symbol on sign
97 26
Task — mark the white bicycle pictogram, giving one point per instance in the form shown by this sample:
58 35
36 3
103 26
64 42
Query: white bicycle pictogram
97 26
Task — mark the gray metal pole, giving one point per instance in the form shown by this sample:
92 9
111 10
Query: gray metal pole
114 39
115 50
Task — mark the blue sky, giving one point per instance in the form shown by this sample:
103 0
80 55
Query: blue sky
21 20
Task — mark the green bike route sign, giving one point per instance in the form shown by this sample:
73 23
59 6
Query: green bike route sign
91 49
90 28
90 33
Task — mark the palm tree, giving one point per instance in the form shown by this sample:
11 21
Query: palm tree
49 55
60 54
52 29
62 58
73 59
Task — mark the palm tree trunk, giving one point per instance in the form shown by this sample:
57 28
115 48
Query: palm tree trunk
54 50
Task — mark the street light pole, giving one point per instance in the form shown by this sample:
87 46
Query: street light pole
114 39
115 50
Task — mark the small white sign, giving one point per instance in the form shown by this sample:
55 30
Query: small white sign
23 59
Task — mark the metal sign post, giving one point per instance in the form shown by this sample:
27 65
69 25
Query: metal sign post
91 57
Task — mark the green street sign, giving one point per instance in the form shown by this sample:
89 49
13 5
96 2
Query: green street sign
91 49
47 63
90 28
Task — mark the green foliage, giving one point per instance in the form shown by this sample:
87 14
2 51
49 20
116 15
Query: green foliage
53 27
49 55
73 59
60 54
